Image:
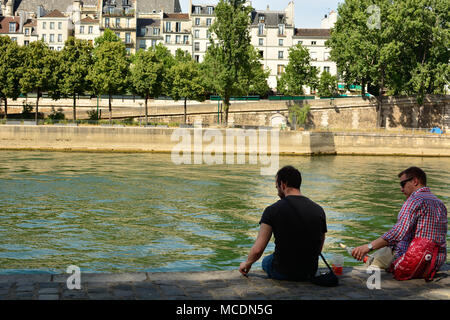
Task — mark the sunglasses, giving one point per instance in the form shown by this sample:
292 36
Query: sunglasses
402 183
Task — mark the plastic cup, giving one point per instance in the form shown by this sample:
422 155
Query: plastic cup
337 263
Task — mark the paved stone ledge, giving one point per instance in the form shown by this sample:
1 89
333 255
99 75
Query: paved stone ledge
218 285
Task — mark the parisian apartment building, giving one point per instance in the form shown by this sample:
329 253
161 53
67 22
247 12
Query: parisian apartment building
142 24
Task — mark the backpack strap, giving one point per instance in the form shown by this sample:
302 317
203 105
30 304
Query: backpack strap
431 270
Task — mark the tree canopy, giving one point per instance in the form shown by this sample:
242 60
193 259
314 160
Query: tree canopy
110 70
298 73
73 69
229 62
39 73
11 69
146 76
186 80
397 46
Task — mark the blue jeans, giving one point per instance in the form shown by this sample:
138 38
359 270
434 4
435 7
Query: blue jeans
267 266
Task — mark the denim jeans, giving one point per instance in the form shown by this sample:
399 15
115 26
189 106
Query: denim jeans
267 266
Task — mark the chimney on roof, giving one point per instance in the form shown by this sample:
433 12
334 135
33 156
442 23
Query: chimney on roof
41 11
8 8
23 18
268 8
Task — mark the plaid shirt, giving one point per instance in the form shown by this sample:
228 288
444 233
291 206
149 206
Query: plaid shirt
422 215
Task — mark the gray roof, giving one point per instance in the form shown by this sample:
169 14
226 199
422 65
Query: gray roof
147 6
143 6
49 5
141 23
203 8
317 33
271 18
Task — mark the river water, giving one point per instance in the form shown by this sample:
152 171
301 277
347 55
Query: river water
119 212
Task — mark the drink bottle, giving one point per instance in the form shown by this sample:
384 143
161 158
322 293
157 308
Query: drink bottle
366 258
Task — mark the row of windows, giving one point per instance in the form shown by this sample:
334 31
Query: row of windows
197 22
281 68
209 10
90 29
51 25
262 32
177 39
117 23
313 55
51 38
281 42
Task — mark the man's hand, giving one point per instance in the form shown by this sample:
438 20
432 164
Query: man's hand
359 252
244 268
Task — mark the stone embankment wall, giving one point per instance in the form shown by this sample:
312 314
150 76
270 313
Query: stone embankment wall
343 113
145 139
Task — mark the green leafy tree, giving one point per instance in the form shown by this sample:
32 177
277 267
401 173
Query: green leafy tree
110 70
404 52
328 85
107 36
39 74
255 82
76 60
168 60
419 51
186 80
298 73
11 61
358 45
228 58
146 76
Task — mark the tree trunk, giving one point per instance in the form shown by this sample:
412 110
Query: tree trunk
110 109
363 89
37 106
185 110
74 108
380 100
6 107
146 109
226 109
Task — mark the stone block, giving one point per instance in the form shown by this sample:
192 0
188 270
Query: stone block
104 277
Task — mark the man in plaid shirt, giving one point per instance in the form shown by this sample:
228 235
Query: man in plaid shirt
422 215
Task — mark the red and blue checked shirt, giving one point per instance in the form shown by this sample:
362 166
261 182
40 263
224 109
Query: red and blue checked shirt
422 215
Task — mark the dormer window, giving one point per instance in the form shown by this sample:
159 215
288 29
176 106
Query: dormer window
12 27
262 19
210 10
197 10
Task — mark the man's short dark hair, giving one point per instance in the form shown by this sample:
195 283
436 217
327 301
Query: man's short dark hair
415 172
290 176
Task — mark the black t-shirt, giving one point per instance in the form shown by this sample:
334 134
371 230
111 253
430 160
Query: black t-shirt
298 235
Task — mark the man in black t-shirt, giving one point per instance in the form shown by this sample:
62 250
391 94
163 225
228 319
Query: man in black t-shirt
298 225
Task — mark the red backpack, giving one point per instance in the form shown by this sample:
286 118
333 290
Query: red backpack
419 261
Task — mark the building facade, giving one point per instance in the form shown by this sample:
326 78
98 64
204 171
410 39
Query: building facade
142 24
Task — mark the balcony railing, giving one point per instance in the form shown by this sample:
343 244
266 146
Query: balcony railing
119 13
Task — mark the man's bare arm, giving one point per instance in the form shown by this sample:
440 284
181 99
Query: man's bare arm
359 252
264 235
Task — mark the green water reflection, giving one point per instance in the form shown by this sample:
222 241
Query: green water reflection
139 212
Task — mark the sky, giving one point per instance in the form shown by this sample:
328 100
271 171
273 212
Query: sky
308 13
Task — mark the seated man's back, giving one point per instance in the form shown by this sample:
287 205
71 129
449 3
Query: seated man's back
298 225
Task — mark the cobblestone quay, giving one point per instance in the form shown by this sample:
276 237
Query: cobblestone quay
219 285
